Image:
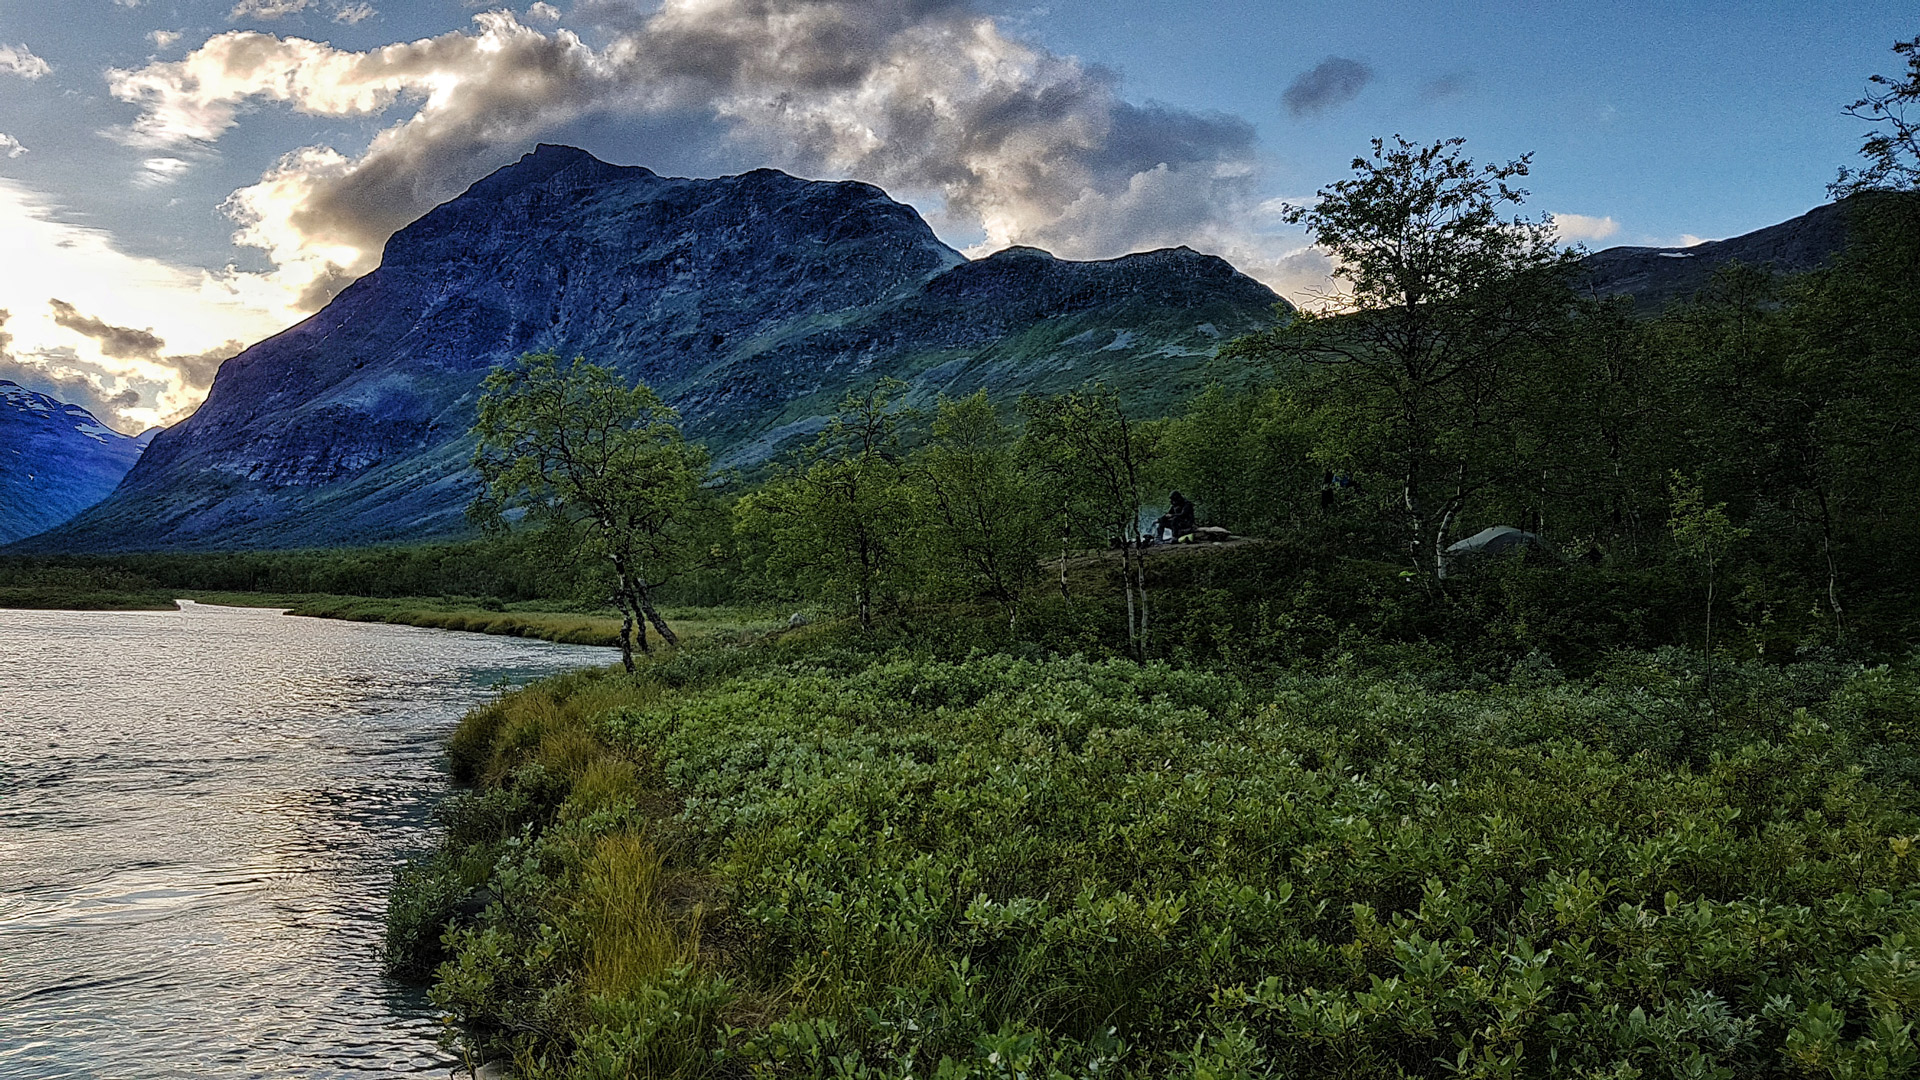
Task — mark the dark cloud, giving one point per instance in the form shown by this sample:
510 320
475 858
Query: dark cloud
121 342
1453 85
198 369
1333 81
81 383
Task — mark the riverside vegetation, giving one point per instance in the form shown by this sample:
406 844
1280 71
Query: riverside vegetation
1038 799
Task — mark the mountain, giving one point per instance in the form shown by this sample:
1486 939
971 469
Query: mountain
55 460
751 302
1655 277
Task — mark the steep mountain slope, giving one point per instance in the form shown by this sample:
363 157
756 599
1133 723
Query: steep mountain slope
55 460
752 302
1655 277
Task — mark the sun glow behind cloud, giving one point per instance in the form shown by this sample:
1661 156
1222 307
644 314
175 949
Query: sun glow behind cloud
193 317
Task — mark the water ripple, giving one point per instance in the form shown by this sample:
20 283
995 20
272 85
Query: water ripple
199 811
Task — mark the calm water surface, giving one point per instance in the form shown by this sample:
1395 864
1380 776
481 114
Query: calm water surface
199 814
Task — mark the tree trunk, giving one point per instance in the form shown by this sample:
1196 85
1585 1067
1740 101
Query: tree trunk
1440 537
1712 709
626 640
1064 594
1833 572
666 633
1140 578
631 617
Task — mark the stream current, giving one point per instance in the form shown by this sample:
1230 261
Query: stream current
200 813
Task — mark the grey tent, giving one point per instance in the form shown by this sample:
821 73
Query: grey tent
1492 541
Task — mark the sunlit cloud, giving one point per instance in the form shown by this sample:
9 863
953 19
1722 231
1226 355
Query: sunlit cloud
10 146
543 12
133 338
1574 228
162 170
1001 141
267 9
164 39
19 60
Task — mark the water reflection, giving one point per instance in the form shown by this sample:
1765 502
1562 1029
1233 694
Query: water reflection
198 814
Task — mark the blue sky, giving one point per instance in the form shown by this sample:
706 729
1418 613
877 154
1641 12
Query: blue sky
185 178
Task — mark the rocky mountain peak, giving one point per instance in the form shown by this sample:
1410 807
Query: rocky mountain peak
751 302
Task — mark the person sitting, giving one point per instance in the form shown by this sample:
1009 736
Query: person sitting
1177 524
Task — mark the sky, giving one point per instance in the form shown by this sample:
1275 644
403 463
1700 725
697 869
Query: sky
181 179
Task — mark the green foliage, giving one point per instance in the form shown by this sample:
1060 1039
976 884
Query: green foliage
837 525
984 529
40 583
1412 376
1892 148
996 865
1243 461
1091 462
599 466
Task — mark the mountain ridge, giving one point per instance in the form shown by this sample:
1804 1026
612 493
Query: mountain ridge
751 302
56 460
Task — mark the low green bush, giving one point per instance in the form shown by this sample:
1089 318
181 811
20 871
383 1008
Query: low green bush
861 865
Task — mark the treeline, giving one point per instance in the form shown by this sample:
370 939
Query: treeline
1755 447
506 569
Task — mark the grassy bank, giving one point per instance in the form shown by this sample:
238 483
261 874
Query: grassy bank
796 859
69 589
529 619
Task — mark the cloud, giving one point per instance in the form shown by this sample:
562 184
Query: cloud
121 342
163 39
267 9
162 170
998 140
351 14
1333 81
543 12
1573 228
19 60
10 145
1452 85
124 322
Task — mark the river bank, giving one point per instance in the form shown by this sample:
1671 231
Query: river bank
76 591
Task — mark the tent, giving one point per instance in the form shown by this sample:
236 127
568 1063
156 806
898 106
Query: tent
1492 541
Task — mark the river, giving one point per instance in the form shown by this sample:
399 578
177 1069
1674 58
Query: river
199 815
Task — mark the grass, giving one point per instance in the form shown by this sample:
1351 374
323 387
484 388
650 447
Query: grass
85 590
